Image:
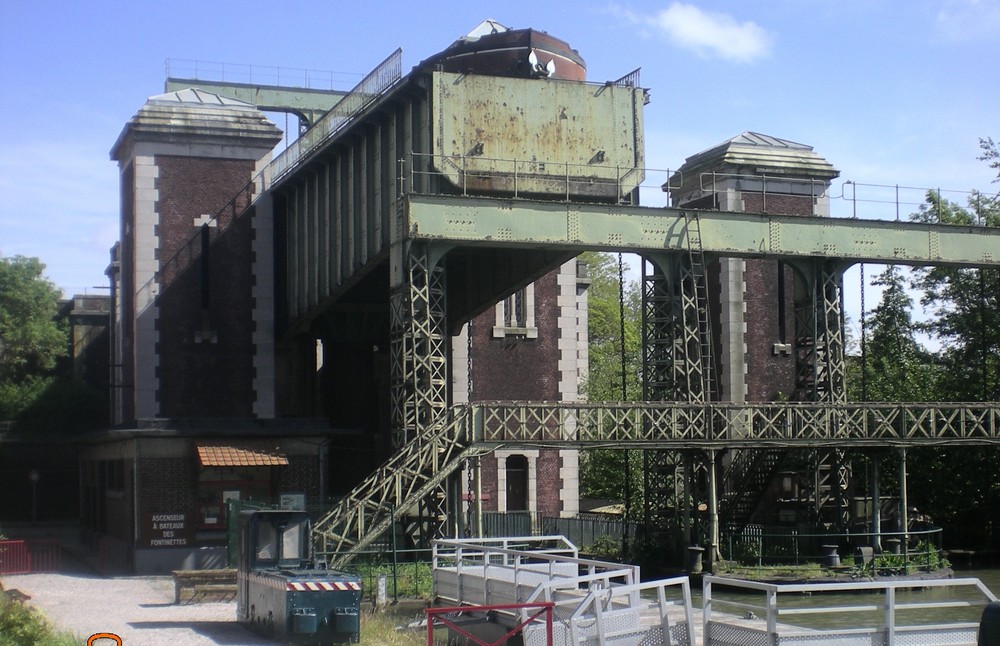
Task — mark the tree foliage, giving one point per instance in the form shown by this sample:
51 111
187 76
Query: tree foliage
991 154
965 304
897 367
959 486
31 341
604 380
603 472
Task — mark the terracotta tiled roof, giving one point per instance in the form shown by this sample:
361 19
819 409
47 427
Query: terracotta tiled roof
234 456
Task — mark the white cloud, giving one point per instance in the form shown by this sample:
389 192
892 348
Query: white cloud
963 20
709 34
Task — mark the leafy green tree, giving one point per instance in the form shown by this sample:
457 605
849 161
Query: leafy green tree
959 487
965 303
31 341
991 154
604 312
898 367
603 471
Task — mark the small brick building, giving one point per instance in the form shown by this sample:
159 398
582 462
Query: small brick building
192 345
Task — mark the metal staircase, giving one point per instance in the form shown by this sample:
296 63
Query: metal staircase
745 483
395 488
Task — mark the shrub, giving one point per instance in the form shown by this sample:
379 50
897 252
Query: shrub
22 625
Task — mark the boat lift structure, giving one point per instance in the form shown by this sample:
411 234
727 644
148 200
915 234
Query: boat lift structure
399 214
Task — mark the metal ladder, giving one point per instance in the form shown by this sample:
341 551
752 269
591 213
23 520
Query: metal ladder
696 304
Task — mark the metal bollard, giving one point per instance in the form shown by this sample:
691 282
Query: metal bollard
989 625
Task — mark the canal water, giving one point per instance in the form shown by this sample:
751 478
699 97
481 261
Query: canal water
873 618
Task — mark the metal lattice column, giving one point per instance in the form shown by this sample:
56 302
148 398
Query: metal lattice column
822 378
820 340
676 367
419 355
418 347
697 328
677 356
660 323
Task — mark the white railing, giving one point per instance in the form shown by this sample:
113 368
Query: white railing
512 570
594 602
878 612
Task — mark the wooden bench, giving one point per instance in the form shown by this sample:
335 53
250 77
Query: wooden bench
194 586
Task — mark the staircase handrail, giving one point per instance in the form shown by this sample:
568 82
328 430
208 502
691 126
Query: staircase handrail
400 482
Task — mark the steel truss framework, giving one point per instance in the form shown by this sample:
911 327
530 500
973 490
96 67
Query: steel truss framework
418 346
677 366
433 440
406 479
822 377
419 386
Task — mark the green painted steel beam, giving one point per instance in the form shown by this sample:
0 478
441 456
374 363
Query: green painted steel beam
309 103
478 221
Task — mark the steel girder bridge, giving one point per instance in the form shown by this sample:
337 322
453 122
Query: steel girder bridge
444 436
380 197
467 431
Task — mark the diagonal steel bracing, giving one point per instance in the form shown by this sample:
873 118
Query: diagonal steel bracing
677 365
397 487
821 378
419 365
418 346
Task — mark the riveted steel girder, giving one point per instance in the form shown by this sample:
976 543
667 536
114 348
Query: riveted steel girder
573 225
307 103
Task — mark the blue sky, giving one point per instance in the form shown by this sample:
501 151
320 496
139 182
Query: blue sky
889 92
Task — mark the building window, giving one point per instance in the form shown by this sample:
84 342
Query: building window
114 475
514 311
515 315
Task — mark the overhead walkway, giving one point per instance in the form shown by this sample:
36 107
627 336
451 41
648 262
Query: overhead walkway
393 490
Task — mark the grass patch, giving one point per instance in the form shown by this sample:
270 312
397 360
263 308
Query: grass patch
414 579
806 571
380 628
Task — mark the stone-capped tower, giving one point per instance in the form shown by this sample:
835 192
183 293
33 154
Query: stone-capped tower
754 321
182 158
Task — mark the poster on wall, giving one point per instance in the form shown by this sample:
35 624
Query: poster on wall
293 501
168 529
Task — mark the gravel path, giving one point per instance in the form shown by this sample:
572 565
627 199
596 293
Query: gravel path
140 610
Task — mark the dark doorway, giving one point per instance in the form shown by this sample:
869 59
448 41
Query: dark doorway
517 483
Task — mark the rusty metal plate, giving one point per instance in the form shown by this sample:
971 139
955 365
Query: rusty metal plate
537 136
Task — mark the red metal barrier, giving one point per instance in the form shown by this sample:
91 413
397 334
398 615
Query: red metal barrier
541 607
30 556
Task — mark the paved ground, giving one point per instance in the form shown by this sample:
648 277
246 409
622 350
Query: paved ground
140 610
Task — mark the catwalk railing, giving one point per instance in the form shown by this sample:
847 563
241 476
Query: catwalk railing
399 485
788 425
